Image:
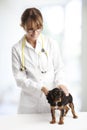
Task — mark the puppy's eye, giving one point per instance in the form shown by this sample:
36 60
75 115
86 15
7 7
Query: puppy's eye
55 93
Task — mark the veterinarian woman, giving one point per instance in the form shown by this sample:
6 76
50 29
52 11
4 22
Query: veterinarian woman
36 64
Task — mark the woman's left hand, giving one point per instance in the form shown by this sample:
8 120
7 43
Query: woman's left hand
64 88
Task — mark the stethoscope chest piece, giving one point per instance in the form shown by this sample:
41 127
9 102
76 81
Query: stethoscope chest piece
42 50
22 68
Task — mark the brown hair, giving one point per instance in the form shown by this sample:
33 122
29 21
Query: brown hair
32 17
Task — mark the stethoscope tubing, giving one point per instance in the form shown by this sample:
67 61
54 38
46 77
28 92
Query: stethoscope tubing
22 67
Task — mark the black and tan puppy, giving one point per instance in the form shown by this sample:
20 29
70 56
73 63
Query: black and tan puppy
58 100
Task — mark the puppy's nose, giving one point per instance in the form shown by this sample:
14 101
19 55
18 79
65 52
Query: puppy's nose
59 100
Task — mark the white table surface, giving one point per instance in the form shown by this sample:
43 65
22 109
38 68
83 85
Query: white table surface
41 121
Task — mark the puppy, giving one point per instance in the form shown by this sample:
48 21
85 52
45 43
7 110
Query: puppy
58 100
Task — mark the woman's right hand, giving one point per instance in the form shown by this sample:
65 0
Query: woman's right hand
44 90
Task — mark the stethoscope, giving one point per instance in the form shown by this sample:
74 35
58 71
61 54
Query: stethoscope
42 52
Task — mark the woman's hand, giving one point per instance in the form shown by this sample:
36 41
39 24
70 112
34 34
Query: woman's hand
64 88
44 90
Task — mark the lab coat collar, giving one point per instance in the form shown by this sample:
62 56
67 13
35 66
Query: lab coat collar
38 45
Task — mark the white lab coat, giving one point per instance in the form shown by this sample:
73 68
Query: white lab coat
32 99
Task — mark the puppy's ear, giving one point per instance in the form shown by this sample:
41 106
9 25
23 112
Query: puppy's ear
49 97
62 94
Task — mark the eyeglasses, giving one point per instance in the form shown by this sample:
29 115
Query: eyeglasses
33 31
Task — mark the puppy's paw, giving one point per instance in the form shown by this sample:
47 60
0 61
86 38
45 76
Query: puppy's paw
60 122
75 116
52 122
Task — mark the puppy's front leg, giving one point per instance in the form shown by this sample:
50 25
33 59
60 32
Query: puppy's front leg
61 117
53 115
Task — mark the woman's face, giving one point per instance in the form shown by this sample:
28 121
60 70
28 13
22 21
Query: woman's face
32 34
